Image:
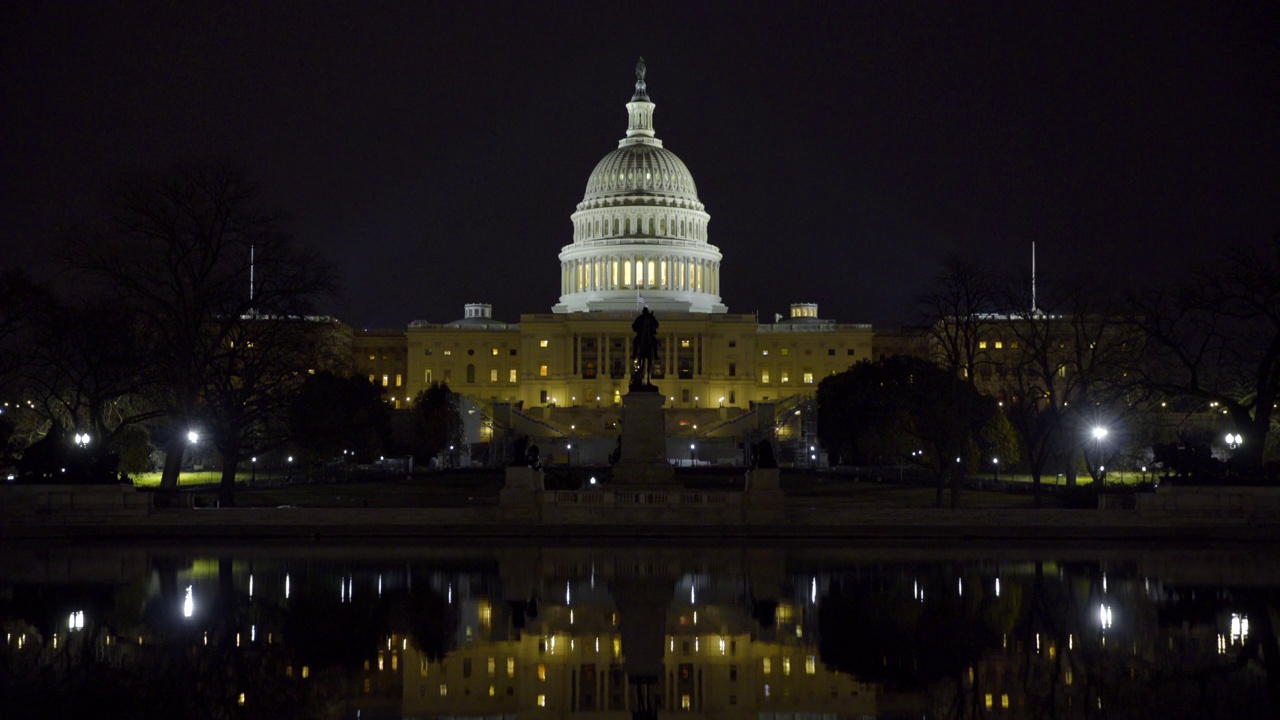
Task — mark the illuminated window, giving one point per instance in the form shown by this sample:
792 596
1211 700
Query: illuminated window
511 667
373 378
542 672
426 376
495 351
1004 700
764 376
808 377
811 665
982 344
786 666
766 665
512 376
999 344
384 380
542 701
542 371
373 357
399 380
988 701
764 352
306 671
542 343
491 693
444 690
493 375
684 343
492 667
685 702
785 351
786 377
448 352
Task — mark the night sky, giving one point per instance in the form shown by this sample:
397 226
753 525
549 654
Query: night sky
435 151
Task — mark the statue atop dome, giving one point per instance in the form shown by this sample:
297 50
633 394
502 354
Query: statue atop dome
641 93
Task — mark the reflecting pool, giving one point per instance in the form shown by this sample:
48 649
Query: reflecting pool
522 631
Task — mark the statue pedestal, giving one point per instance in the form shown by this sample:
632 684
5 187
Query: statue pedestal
763 501
518 499
643 458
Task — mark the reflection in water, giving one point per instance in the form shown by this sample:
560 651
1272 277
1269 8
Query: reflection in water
633 632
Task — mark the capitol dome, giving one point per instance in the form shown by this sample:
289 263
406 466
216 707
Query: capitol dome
640 232
641 170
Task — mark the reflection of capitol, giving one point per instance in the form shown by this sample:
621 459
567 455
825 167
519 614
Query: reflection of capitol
566 632
576 653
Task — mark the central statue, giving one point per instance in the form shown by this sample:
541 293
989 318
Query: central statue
644 351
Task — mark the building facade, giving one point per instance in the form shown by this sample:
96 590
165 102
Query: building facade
639 239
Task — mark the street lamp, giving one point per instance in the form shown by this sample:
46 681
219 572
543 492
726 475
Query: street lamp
193 437
995 468
82 439
1233 441
693 457
1099 434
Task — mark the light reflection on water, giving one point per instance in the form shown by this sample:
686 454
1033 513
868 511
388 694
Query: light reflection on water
715 632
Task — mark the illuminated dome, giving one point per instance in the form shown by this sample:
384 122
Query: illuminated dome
641 170
640 232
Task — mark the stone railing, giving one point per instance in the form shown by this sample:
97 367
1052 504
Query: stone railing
72 503
1218 503
665 498
641 506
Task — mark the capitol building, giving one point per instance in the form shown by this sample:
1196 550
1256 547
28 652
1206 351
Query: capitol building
640 238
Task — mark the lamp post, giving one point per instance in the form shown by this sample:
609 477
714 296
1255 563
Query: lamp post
1234 441
253 470
693 454
995 469
1099 434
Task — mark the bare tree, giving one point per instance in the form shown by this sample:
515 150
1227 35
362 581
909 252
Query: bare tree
957 308
213 283
1215 337
1065 372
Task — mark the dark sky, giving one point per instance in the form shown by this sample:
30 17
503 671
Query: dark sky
435 151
